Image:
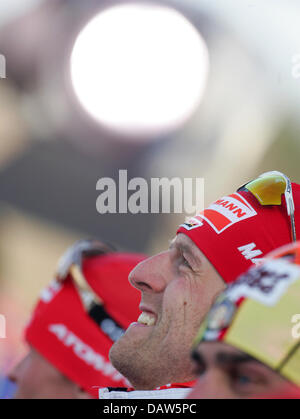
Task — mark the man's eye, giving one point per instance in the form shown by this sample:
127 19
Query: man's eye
243 379
185 262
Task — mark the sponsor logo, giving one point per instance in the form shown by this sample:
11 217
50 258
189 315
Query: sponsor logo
219 318
223 213
265 284
192 223
250 252
221 315
50 292
84 352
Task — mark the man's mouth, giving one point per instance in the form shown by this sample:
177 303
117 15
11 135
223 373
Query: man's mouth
147 319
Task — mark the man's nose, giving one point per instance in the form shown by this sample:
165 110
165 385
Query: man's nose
152 274
214 384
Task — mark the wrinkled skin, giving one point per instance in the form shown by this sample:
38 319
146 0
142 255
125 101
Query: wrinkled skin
177 288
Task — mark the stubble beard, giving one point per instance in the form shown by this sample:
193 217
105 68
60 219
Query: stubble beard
152 362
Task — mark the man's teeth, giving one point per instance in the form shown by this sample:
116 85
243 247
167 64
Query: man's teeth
146 319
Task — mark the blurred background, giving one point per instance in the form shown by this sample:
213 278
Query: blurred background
170 88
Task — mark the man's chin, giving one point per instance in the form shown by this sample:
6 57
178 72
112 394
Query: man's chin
134 337
130 349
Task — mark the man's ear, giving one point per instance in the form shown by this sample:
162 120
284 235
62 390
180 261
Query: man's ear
81 394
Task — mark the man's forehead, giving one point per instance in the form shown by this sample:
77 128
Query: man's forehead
185 243
222 354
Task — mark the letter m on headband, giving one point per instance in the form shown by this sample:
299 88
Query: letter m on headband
223 213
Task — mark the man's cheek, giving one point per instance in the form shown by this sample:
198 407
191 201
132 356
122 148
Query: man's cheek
194 302
175 296
180 300
187 292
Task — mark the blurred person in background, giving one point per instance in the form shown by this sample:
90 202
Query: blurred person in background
179 285
78 317
248 345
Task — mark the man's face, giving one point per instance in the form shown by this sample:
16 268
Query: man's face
225 372
36 378
178 287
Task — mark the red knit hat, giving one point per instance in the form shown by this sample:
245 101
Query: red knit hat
236 231
77 342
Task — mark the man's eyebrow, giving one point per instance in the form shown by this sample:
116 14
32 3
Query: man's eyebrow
224 358
186 247
183 246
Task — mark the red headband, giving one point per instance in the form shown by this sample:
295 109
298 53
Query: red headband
236 232
62 331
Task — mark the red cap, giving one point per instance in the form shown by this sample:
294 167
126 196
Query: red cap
64 333
236 231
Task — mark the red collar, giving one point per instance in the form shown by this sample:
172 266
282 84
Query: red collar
187 384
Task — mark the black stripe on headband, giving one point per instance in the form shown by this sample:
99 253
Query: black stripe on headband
106 323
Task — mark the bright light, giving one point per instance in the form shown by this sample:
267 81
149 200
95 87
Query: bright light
139 69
